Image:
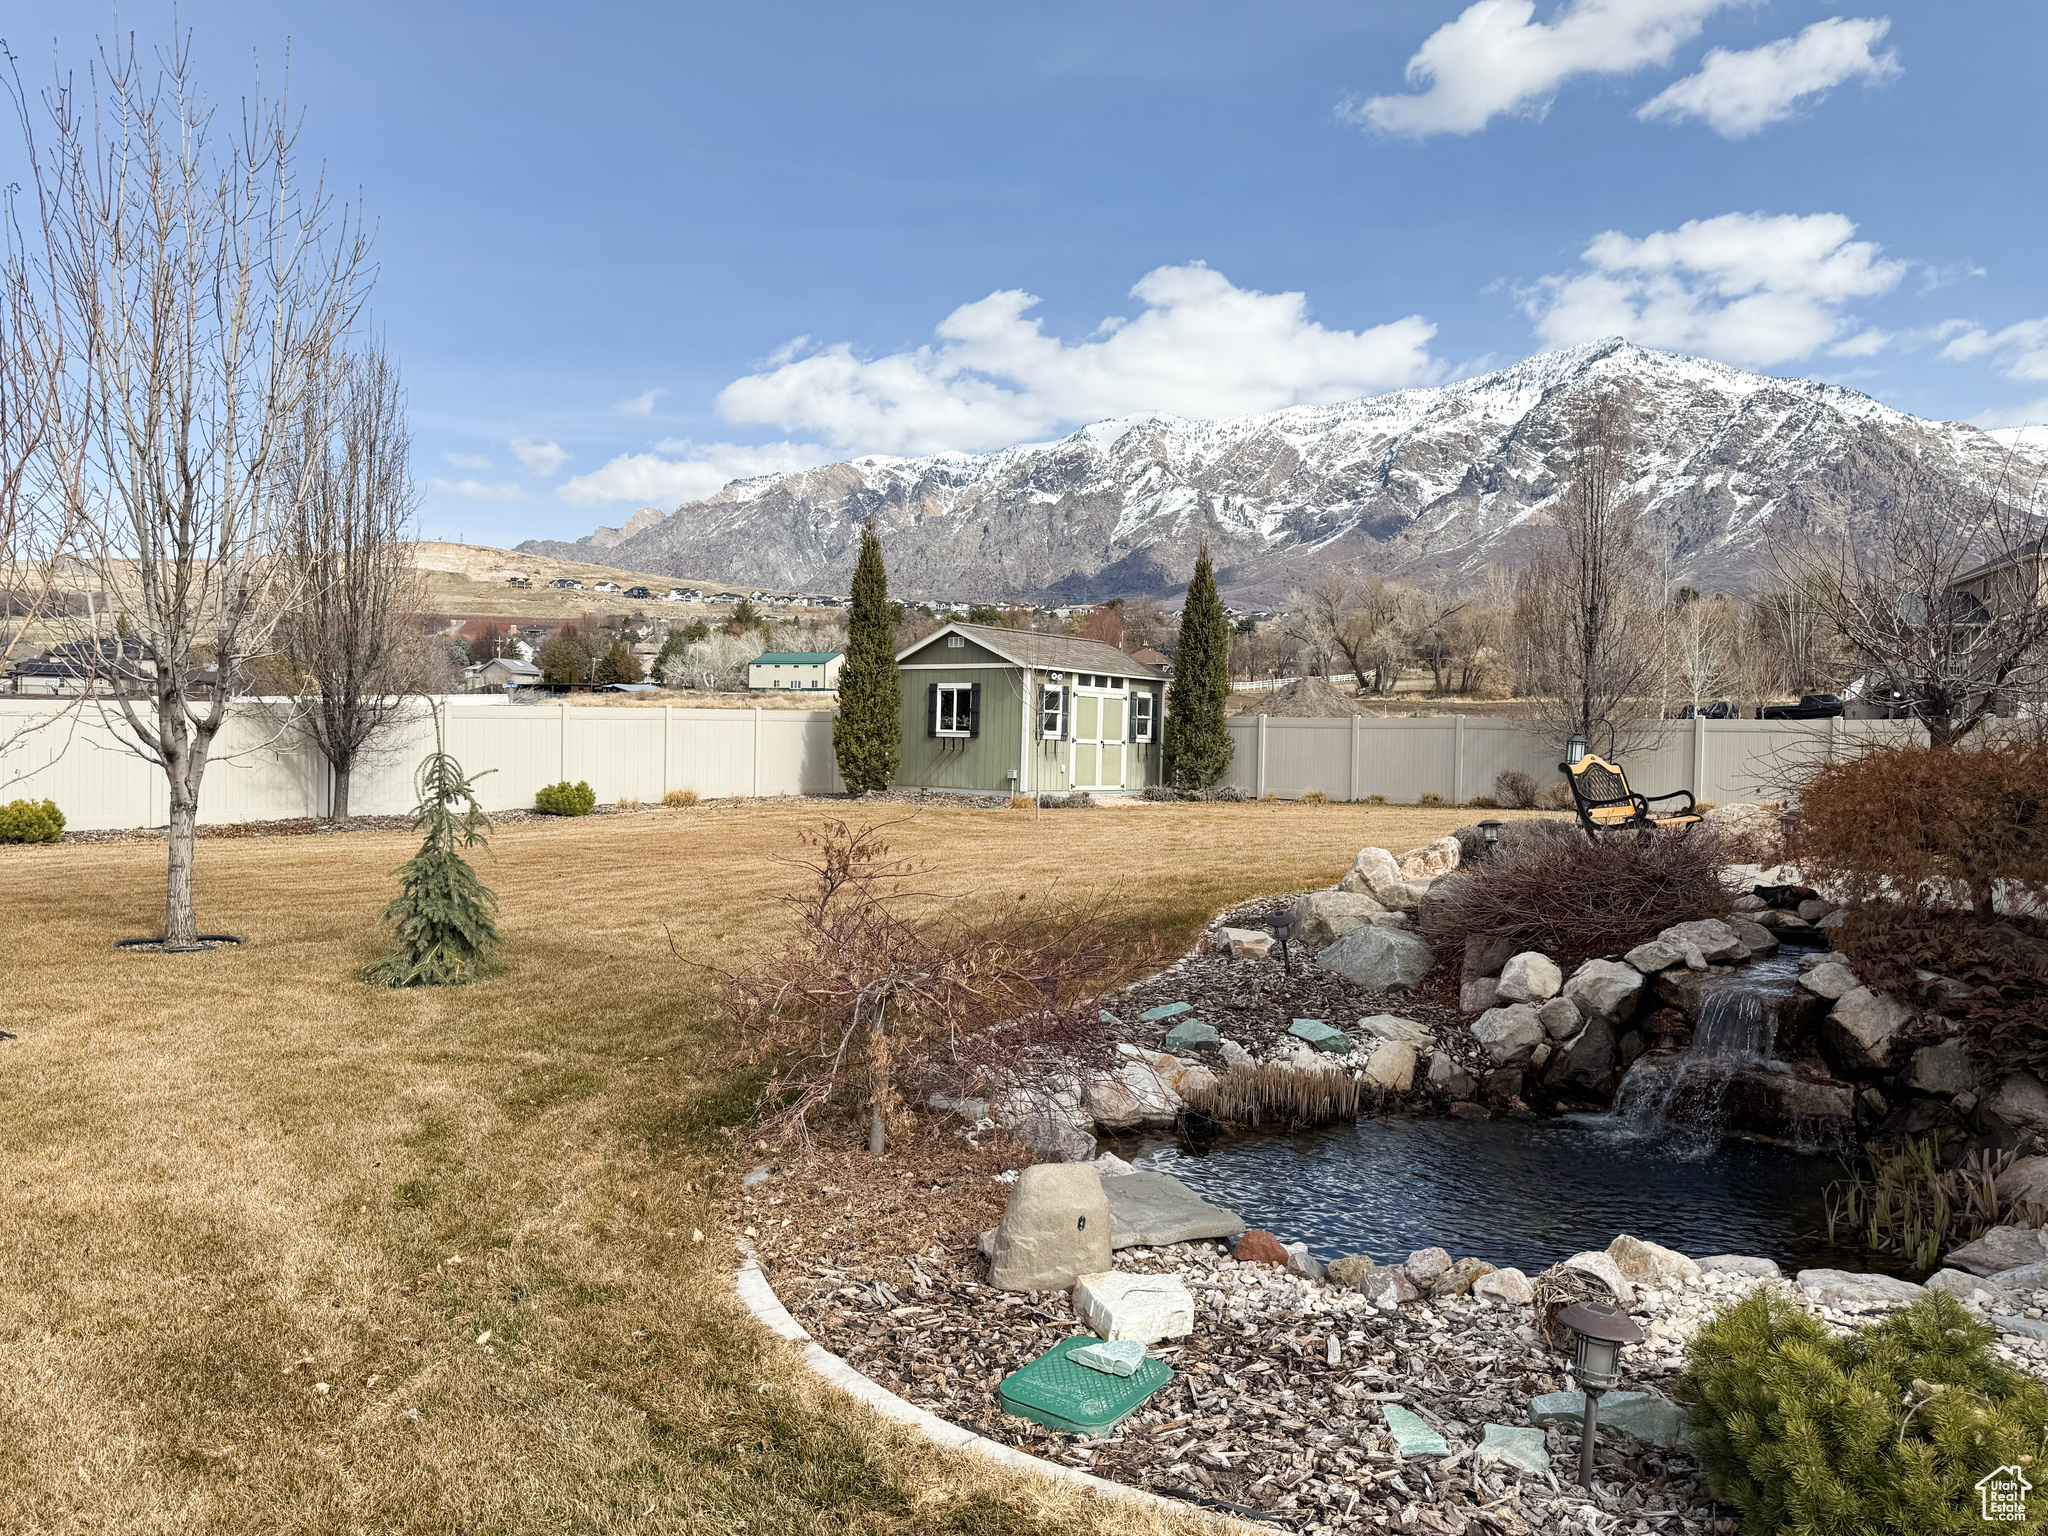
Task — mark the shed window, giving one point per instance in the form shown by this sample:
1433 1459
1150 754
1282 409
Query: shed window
956 642
955 710
1141 716
1052 713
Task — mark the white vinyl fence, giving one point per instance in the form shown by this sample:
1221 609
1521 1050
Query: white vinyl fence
263 772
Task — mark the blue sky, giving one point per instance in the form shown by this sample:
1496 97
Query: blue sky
628 251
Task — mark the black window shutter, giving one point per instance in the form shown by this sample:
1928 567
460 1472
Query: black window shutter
1066 714
931 709
974 710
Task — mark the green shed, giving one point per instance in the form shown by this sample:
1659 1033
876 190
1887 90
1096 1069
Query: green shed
993 709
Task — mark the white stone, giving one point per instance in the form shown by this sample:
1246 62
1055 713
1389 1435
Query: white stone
1509 1035
1863 1024
1606 990
1601 1267
1321 918
1648 1263
1828 979
1655 956
1847 1292
1391 1066
1431 859
1132 1306
1235 1055
1371 871
1508 1285
1713 938
1530 977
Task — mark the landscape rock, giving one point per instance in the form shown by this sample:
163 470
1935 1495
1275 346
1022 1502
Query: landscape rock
1193 1035
1447 1077
1859 1031
2025 1182
1829 979
1149 1209
1834 919
2000 1249
1714 939
2021 1102
1391 1066
1413 1436
1350 1270
1405 897
1814 909
1606 989
1943 1069
1522 1449
1971 1290
1476 994
1372 871
1321 918
1740 1264
1561 1018
1112 1104
1121 1358
1319 1036
1258 1246
1846 1292
1391 1026
1146 1308
1425 1264
1505 1285
1054 1230
1759 940
1530 977
1460 1277
1509 1035
1384 959
1650 1417
1235 1055
1303 1263
1647 1263
1485 957
1247 943
2028 1277
1601 1266
1583 1062
1430 860
1052 1122
1655 956
2021 1327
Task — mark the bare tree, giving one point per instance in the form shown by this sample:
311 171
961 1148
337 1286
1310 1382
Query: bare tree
1587 605
344 547
1361 620
1942 600
197 292
1703 645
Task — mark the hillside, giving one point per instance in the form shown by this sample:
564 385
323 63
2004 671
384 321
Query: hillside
1420 482
472 580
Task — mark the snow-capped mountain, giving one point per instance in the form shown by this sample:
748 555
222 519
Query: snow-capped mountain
1421 482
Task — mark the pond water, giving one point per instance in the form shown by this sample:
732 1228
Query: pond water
1519 1192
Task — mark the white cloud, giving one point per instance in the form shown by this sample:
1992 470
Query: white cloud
2021 350
700 469
1496 58
541 459
1201 347
641 404
477 490
1748 288
1737 94
1867 343
467 460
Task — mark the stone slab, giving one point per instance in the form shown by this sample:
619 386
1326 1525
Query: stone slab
1649 1416
1321 1036
1121 1358
1193 1035
1166 1011
1520 1447
1412 1435
1847 1292
1121 1305
1149 1209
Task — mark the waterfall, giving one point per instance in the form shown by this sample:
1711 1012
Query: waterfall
1682 1101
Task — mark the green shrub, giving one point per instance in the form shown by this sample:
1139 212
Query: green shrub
1886 1431
31 821
566 799
1431 800
443 930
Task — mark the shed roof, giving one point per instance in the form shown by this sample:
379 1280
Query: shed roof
1028 648
808 658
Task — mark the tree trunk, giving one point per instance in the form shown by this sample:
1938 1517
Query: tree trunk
341 777
181 926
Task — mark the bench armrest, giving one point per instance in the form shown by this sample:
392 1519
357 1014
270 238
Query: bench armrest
1676 794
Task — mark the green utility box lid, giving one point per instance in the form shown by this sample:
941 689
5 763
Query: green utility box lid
1073 1399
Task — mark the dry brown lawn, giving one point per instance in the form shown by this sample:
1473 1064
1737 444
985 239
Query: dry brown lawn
281 1252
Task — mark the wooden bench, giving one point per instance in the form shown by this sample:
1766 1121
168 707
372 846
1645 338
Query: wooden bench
1606 803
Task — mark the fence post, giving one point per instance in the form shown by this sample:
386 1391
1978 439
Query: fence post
562 765
1357 735
1699 754
757 751
1259 774
1457 759
666 731
1831 736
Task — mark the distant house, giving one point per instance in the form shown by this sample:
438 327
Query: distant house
641 592
605 586
506 672
108 666
993 709
1159 661
567 584
521 582
682 595
809 671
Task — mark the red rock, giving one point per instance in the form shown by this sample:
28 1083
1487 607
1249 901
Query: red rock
1259 1246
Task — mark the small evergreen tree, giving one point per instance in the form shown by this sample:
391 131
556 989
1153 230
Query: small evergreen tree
1198 747
744 617
442 917
867 735
619 665
561 659
673 649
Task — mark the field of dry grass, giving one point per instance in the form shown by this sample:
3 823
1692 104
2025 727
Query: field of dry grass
283 1253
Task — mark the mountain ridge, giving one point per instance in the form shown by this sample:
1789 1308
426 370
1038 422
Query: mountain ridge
1427 482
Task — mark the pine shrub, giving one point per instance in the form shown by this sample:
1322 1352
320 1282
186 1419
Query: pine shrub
566 799
867 734
1197 746
1886 1431
442 918
31 821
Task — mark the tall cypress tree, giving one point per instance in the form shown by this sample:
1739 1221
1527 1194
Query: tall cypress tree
867 736
1198 748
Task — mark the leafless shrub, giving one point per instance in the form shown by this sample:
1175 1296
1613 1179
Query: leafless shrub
1279 1096
884 991
1515 790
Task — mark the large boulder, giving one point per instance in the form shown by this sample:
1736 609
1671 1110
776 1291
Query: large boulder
1714 939
1404 896
1857 1035
1756 938
1606 989
1830 979
1371 872
1943 1069
1509 1035
1656 956
1384 959
2020 1102
1054 1231
1647 1263
1149 1209
1505 1285
1530 977
1321 918
1430 860
1846 1292
2000 1249
1391 1066
1112 1104
1391 1026
1050 1120
2025 1183
1583 1063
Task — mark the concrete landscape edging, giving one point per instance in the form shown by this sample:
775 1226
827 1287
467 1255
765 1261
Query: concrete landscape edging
767 1309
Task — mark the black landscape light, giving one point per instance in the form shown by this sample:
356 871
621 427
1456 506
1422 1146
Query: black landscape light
1602 1330
1282 925
1575 749
1490 830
